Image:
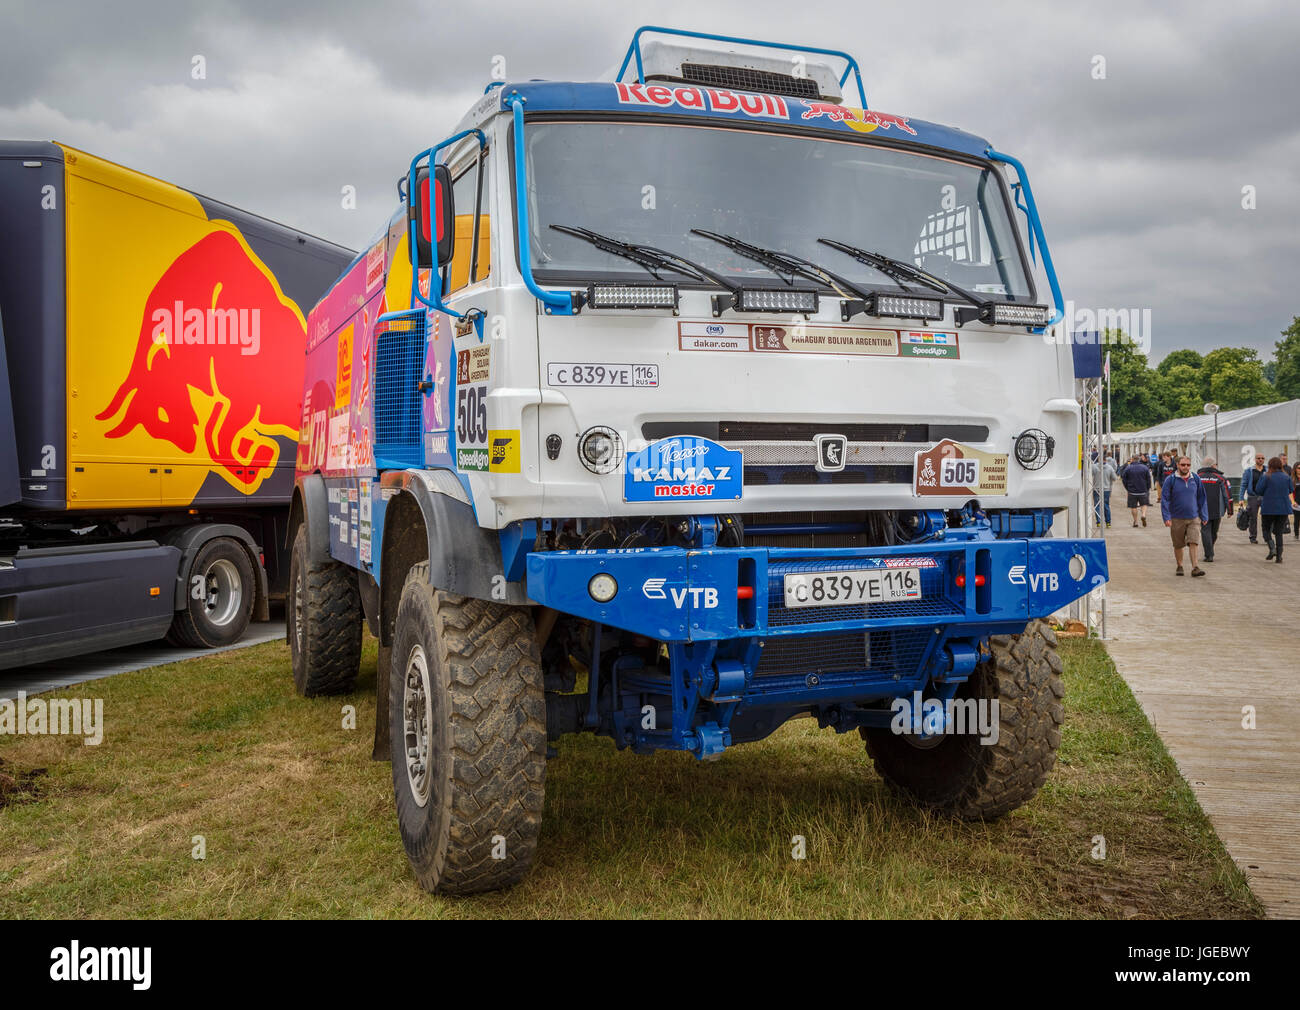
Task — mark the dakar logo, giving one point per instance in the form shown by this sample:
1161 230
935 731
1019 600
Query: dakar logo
234 374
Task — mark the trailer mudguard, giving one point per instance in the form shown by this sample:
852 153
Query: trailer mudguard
463 557
191 539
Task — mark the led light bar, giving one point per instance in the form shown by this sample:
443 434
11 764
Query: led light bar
907 307
1009 314
632 296
1003 314
767 300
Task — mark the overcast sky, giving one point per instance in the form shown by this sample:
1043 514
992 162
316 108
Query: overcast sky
1139 175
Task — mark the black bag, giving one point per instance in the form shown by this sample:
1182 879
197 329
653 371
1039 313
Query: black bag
1243 519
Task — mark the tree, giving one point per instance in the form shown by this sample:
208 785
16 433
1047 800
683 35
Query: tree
1136 397
1183 356
1287 380
1181 389
1240 384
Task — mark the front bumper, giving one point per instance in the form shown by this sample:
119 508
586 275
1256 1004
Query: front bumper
676 594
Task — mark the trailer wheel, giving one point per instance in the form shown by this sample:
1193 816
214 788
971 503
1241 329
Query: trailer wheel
961 776
467 720
221 588
323 615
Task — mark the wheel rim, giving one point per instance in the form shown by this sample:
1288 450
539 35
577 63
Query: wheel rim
224 592
417 717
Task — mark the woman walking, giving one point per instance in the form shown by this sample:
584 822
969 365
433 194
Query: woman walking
1275 489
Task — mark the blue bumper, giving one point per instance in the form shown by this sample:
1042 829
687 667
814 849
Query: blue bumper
969 588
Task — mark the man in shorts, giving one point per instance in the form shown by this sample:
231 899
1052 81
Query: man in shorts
1185 510
1136 478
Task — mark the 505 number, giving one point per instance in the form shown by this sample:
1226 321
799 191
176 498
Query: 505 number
471 415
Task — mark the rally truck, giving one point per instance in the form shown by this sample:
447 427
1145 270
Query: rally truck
674 406
151 362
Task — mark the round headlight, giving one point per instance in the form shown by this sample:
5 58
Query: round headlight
600 449
602 588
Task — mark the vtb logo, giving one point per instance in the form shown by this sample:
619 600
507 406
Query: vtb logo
831 451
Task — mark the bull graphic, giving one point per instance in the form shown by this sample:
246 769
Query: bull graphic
216 329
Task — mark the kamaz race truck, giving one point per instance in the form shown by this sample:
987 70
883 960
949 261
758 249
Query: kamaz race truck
151 361
675 406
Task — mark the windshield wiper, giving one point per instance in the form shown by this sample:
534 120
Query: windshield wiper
649 258
794 266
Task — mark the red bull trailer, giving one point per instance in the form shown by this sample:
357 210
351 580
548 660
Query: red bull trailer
151 364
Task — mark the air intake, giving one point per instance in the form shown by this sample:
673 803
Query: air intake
747 79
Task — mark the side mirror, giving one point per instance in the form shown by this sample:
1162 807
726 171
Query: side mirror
433 219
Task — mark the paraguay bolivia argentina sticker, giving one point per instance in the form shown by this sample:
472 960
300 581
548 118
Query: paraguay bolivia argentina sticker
683 468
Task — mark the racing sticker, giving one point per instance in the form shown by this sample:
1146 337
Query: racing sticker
805 339
951 468
683 467
473 364
713 336
570 373
927 344
504 454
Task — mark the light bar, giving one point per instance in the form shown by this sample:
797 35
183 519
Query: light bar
907 307
632 296
1003 314
767 300
1009 314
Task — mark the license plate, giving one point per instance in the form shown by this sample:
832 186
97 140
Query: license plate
858 585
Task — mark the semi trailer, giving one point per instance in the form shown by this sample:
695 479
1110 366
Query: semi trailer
151 362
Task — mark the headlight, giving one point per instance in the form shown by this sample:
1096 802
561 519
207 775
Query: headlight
600 449
602 588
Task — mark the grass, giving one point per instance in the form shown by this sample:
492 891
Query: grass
298 822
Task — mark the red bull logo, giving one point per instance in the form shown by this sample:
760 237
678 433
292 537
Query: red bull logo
862 120
218 363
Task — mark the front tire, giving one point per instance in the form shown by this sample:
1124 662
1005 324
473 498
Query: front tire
221 588
964 778
323 618
467 721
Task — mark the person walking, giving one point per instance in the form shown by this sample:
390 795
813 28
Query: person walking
1164 470
1218 499
1295 508
1286 467
1185 511
1108 475
1275 489
1249 499
1136 479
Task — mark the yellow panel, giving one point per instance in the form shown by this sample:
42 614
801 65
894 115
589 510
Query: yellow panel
129 484
142 259
464 246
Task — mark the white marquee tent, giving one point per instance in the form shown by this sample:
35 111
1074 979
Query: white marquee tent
1271 429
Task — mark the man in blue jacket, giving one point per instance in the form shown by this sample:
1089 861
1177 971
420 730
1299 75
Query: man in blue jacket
1185 510
1249 497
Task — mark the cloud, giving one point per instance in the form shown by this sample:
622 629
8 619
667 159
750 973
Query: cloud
1138 176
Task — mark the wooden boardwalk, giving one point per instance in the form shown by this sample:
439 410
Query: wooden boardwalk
1196 652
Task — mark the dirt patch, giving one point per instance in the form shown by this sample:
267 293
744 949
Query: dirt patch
18 786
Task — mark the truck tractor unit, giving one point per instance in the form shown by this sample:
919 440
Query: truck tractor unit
151 362
672 407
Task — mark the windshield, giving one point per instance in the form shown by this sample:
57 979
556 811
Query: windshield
651 184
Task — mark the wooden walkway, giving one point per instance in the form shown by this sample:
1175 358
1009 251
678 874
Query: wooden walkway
1196 652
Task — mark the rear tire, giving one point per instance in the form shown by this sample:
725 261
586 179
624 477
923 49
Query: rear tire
323 619
467 720
222 576
967 779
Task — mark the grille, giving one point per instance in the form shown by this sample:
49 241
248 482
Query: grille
893 651
744 79
934 601
399 362
870 474
783 431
